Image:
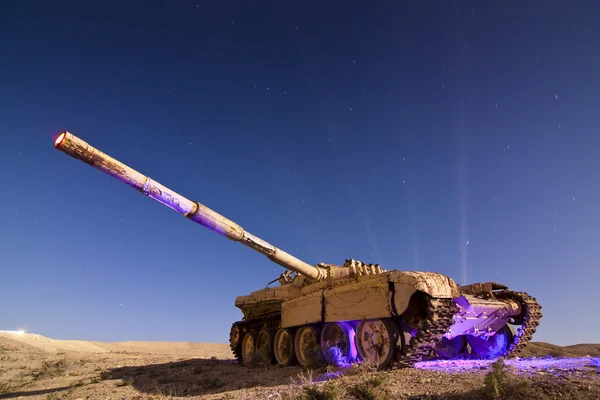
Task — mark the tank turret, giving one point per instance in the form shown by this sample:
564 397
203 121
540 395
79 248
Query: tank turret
389 317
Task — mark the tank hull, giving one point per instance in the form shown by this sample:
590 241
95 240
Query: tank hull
370 296
426 312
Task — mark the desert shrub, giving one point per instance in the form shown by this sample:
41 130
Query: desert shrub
500 383
49 368
365 384
373 387
330 390
497 379
303 387
211 383
371 384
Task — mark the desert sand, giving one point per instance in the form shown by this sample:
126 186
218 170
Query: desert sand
37 367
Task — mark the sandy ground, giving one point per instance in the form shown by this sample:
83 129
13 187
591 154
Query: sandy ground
36 367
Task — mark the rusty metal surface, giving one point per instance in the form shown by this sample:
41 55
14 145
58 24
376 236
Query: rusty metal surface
81 150
482 289
350 303
281 293
364 297
343 299
302 310
433 283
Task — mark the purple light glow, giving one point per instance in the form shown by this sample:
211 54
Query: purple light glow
332 354
560 368
335 356
524 366
327 376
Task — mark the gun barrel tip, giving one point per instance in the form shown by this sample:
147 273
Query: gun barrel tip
60 139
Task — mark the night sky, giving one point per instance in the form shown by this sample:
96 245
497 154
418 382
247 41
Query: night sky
457 137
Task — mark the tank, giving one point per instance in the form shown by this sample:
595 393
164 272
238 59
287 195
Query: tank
351 312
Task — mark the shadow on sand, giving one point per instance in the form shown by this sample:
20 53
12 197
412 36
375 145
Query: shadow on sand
196 377
21 394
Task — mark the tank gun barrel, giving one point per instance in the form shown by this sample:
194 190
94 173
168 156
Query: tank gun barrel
193 210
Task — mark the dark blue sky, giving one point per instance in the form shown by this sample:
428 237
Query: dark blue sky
459 137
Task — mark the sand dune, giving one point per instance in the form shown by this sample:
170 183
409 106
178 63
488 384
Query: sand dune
184 349
542 349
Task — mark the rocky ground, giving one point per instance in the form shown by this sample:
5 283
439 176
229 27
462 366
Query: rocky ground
34 367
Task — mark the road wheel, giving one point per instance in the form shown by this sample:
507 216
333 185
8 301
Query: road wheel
306 344
283 347
376 341
248 348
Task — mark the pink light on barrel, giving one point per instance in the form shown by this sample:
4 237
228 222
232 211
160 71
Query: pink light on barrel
80 150
60 138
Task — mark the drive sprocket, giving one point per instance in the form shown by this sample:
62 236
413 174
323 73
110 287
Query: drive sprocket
530 318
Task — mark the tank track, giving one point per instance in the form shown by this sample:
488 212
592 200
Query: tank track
240 328
439 318
531 319
438 321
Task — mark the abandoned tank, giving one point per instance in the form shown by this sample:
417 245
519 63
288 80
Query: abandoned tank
390 318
